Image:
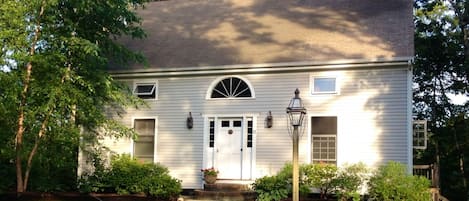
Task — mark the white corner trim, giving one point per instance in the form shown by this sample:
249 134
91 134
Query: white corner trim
409 119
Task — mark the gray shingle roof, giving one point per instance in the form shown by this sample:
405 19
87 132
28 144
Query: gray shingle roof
191 33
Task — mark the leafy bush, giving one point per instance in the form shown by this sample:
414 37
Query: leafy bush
392 182
129 176
271 188
279 186
321 176
348 181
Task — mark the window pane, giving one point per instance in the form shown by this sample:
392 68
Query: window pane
315 155
316 142
249 144
212 134
324 149
144 89
219 92
324 85
323 125
143 148
236 123
144 126
152 96
145 138
225 123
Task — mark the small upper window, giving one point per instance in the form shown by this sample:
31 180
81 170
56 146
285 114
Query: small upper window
145 90
324 85
231 87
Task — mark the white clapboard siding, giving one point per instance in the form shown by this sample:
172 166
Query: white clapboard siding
371 107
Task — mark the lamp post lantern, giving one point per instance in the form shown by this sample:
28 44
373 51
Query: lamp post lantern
296 113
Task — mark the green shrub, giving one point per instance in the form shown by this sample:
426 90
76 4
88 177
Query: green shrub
348 181
392 182
129 176
279 186
271 188
321 176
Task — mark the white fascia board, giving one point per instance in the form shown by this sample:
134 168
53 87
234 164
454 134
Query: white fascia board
261 68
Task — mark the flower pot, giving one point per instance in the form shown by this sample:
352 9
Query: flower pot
210 179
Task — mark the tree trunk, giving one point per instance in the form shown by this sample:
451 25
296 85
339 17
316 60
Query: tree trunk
20 187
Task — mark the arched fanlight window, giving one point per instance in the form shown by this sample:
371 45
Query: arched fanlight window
231 87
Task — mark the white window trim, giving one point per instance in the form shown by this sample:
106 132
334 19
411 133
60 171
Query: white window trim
146 82
425 134
216 81
155 147
311 85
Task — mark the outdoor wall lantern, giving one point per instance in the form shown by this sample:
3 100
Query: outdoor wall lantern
269 120
296 113
190 121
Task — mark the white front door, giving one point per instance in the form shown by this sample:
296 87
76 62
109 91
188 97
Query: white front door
229 148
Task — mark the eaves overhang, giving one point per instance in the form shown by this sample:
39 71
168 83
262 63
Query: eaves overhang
285 67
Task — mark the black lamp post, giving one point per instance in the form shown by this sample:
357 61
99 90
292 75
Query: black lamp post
296 113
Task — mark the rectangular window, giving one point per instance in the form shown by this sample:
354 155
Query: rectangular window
321 85
225 123
324 140
145 90
249 142
144 145
419 132
212 134
236 123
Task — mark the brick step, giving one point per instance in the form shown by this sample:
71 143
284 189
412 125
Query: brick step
224 195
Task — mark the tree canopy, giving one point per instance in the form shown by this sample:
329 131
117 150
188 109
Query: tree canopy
441 69
53 79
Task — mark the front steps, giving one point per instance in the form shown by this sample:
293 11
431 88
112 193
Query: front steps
224 192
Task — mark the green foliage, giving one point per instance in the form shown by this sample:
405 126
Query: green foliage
279 186
392 182
209 171
271 188
348 181
441 68
344 182
69 45
129 176
321 176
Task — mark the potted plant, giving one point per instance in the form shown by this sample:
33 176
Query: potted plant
210 175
